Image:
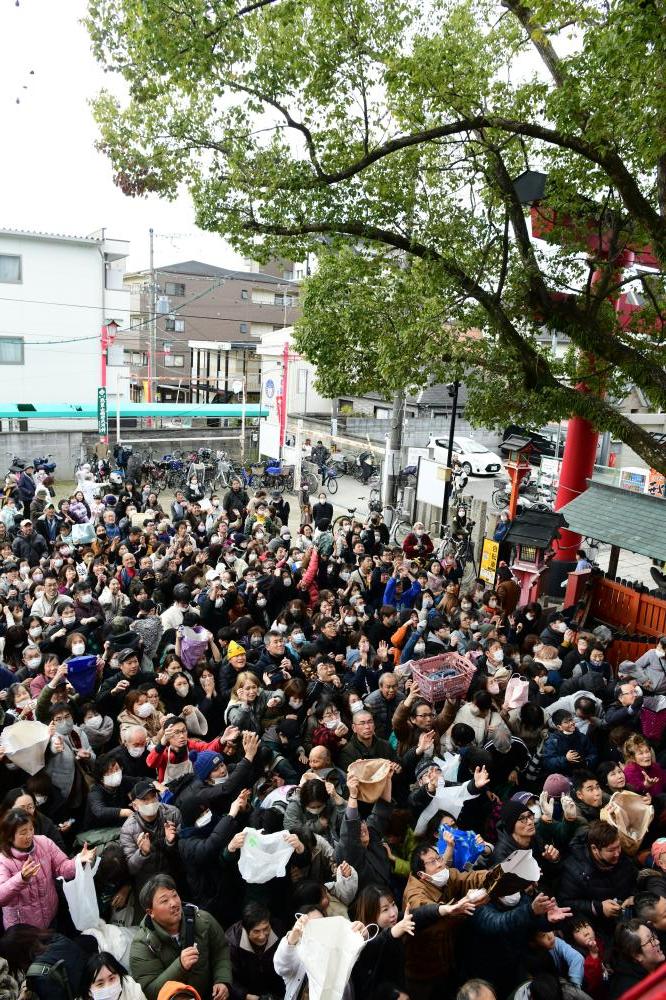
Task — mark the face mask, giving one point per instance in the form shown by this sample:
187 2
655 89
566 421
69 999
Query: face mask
182 690
135 751
220 779
331 723
94 722
286 581
439 878
143 711
34 662
343 576
85 598
465 605
350 619
560 627
68 622
204 819
40 799
282 627
113 780
530 618
38 577
219 601
498 655
35 632
358 706
65 727
298 638
426 603
661 653
259 535
149 809
419 534
315 810
261 602
111 992
510 901
78 648
419 647
57 563
295 703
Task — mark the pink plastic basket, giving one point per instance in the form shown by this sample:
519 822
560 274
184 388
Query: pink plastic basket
438 688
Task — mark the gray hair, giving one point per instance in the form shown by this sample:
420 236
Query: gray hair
473 988
131 731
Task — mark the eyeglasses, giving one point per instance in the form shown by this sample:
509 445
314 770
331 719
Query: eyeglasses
424 715
526 817
652 940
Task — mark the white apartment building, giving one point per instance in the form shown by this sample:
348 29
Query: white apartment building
56 292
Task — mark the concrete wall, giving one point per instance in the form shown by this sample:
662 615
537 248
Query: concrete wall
417 430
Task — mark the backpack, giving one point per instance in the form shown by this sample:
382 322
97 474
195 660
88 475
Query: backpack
49 982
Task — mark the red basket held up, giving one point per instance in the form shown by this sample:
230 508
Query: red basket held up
448 675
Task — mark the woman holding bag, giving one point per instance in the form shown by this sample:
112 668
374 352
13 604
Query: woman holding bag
29 865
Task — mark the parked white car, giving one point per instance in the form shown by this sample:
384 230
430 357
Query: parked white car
474 457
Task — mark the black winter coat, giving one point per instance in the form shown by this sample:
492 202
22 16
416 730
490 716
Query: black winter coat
583 885
252 971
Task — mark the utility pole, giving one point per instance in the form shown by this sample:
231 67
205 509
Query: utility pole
152 329
453 392
394 448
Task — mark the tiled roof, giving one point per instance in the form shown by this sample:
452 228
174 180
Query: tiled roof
536 527
198 269
32 233
632 521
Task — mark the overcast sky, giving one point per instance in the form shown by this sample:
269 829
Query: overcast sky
51 177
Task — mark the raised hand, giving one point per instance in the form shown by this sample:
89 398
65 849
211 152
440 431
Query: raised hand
87 854
568 807
170 832
547 805
251 743
481 777
404 926
240 803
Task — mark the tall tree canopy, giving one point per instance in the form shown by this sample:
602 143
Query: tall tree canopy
383 136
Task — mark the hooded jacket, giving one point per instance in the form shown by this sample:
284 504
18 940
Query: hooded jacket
155 956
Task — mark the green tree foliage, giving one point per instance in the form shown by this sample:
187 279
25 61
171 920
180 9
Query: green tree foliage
383 136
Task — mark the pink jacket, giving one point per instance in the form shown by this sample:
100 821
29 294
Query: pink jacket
36 901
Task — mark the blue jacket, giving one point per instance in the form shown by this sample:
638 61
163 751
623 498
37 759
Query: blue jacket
404 600
554 756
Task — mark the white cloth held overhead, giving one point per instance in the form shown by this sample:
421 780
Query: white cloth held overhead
328 950
449 799
25 744
264 856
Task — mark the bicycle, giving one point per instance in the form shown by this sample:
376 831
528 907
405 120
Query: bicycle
329 479
399 526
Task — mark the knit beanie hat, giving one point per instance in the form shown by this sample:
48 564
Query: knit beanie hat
509 814
205 762
235 649
556 785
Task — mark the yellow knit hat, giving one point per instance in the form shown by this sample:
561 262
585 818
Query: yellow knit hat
235 649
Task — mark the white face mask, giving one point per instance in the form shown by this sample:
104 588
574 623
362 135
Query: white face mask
419 647
331 723
78 648
148 810
111 992
358 706
68 621
661 653
298 638
439 878
143 711
136 751
282 627
35 632
40 799
350 619
182 690
295 702
85 598
113 780
34 662
511 900
94 722
498 655
204 819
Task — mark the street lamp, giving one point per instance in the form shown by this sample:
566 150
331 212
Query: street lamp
108 336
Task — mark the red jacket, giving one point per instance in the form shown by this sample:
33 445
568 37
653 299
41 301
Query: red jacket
160 758
411 544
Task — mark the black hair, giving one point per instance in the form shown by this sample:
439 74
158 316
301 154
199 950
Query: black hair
150 888
21 943
94 965
560 716
254 913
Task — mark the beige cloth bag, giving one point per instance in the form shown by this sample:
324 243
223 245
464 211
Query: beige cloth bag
630 816
372 777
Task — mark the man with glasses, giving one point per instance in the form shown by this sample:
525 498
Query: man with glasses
517 831
637 953
382 704
417 726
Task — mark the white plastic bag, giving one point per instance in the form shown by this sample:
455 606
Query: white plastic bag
25 744
328 950
81 897
264 856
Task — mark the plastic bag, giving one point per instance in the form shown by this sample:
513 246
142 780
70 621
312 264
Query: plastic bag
25 744
517 692
82 674
83 534
81 896
328 950
372 777
465 848
630 816
193 645
264 856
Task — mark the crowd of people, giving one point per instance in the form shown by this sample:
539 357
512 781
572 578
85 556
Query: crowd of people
254 683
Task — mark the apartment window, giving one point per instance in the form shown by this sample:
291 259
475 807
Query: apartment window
139 358
10 268
174 361
245 328
244 293
288 275
11 350
175 288
172 325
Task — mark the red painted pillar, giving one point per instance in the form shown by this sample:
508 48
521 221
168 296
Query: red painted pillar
577 466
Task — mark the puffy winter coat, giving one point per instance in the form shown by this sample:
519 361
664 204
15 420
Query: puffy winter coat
35 901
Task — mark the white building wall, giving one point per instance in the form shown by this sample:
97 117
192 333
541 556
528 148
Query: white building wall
58 309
